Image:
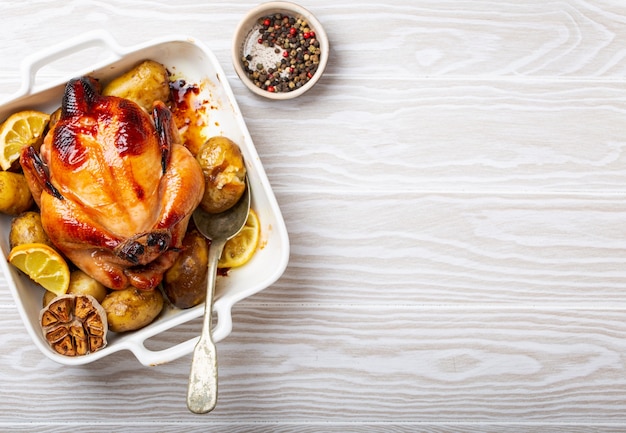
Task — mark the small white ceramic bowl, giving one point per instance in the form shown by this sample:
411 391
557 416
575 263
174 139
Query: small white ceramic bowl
245 42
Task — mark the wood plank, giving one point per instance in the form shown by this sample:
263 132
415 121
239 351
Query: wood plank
434 249
483 38
315 427
426 38
348 364
450 249
447 135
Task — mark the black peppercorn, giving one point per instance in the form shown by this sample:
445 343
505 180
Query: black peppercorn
295 54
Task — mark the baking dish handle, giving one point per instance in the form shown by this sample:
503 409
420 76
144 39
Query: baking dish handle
151 358
34 62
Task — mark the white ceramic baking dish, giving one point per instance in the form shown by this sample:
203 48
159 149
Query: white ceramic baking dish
189 59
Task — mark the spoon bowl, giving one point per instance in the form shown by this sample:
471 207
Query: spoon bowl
218 228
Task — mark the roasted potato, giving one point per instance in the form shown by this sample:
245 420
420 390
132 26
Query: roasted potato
185 282
26 228
144 84
15 196
54 117
224 174
80 284
48 296
131 309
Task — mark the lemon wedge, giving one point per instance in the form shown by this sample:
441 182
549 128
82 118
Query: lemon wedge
43 264
21 129
240 249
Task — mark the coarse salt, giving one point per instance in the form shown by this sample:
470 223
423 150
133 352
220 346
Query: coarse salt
266 56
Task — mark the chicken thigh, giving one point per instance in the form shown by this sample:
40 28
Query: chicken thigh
115 186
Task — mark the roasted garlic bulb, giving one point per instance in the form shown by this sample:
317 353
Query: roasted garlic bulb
74 325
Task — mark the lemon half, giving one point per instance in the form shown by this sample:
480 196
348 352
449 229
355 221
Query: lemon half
43 264
240 249
20 130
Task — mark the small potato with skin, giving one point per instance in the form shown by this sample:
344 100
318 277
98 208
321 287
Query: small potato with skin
83 284
48 296
80 284
224 174
15 196
144 84
131 309
26 228
185 282
54 117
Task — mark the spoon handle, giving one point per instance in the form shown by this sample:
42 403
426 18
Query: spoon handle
202 390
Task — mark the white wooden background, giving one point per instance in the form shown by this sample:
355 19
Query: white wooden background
455 193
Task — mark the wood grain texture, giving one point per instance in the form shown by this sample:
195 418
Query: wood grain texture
454 191
463 249
396 365
413 39
454 135
451 249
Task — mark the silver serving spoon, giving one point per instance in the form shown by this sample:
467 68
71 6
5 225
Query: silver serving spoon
218 228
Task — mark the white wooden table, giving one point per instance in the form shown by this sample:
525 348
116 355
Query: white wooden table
455 194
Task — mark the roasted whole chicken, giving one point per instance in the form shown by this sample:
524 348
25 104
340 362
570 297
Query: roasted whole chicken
115 186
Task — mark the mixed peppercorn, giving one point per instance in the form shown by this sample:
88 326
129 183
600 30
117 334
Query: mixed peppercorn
296 54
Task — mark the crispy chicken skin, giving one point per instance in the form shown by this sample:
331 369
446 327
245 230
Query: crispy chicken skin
115 186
